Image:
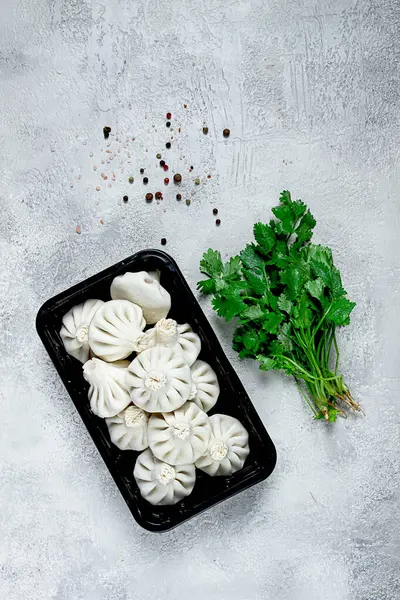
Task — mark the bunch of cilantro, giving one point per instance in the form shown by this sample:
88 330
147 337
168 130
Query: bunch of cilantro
288 299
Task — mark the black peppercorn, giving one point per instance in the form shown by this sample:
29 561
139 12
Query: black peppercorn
145 180
178 197
205 130
106 132
162 163
177 178
168 123
215 211
218 222
125 198
149 197
226 133
141 171
163 241
168 145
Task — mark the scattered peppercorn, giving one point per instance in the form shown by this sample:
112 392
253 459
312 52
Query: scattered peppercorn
177 178
145 180
197 181
178 197
188 202
149 197
205 130
131 180
168 123
141 171
208 176
185 106
106 132
163 241
78 229
158 195
168 145
162 163
158 155
191 167
218 222
215 211
125 198
226 133
168 116
165 167
166 181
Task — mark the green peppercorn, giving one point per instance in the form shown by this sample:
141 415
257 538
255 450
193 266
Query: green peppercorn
197 181
131 180
158 155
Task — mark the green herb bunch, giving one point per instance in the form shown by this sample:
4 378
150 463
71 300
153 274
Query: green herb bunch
288 299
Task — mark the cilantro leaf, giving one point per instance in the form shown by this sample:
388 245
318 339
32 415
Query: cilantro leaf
252 313
257 281
294 279
211 263
271 321
207 286
284 303
228 306
264 236
251 259
339 313
305 228
315 288
266 363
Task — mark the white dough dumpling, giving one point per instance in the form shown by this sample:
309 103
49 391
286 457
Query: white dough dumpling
179 437
160 483
75 328
168 333
108 394
115 328
228 447
159 379
128 429
205 387
145 290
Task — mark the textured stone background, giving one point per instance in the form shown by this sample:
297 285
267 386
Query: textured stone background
310 91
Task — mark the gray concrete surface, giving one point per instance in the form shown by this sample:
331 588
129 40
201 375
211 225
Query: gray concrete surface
310 91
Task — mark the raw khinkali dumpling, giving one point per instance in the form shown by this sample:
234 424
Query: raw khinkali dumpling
179 437
228 447
75 328
145 290
160 483
168 333
159 379
128 429
205 387
108 394
115 328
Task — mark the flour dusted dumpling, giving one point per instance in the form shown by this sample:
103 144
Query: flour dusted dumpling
108 394
179 437
168 333
159 482
189 342
228 447
159 379
145 290
75 328
115 328
128 429
205 387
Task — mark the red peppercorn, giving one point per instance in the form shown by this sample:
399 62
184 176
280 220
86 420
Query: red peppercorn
158 195
166 181
218 222
165 167
168 116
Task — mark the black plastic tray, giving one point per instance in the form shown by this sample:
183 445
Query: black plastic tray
233 399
